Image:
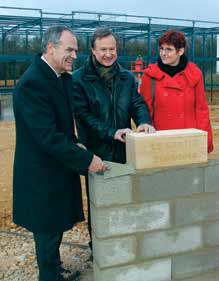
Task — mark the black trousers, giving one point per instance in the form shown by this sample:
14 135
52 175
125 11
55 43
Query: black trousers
48 255
88 211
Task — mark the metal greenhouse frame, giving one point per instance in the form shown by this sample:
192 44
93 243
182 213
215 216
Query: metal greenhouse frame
28 23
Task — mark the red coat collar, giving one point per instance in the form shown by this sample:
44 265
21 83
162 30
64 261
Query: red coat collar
191 72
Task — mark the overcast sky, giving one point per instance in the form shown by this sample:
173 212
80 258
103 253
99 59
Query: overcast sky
189 9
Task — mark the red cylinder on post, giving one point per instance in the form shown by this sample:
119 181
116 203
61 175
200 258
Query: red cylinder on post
138 67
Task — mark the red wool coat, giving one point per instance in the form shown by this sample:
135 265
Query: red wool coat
179 101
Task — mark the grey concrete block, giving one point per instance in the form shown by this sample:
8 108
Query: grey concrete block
169 184
194 264
107 222
213 162
159 270
116 170
211 234
212 178
114 251
209 276
105 192
170 242
197 209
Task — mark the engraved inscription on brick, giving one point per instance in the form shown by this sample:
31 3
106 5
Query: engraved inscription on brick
166 148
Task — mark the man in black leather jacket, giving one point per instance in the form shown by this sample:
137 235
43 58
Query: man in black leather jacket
105 99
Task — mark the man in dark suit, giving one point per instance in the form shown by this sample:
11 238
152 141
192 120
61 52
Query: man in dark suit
48 159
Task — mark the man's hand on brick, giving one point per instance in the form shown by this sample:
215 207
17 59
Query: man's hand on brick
121 133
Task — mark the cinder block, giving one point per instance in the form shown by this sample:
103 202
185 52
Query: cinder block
170 242
212 179
117 170
209 276
105 192
185 266
211 234
107 222
166 148
114 251
159 270
197 209
170 183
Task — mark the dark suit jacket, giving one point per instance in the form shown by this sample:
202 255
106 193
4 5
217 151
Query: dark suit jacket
47 164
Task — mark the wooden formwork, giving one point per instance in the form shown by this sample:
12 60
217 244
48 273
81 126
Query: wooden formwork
8 82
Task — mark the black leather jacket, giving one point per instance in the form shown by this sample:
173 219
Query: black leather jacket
100 114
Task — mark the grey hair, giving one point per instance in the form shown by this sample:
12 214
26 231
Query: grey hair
53 35
100 33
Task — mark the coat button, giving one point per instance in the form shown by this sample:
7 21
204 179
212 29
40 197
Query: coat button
165 94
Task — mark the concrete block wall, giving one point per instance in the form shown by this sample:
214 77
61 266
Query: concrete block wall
155 224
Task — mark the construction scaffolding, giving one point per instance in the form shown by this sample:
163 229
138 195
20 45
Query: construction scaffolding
138 36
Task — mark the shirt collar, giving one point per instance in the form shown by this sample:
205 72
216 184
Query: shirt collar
44 59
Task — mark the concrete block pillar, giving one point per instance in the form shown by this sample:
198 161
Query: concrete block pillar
155 224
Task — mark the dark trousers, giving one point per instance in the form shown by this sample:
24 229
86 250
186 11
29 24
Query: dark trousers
48 255
88 212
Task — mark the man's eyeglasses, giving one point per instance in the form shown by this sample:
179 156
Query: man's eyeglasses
166 50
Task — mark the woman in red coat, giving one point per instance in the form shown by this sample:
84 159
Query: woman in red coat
173 88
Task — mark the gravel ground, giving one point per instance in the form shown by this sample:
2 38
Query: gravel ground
17 254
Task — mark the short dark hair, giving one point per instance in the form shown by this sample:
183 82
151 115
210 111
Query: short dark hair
100 33
53 35
173 37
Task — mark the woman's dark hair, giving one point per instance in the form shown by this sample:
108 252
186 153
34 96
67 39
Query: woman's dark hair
173 37
100 33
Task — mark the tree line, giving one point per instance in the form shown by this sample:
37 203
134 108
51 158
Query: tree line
19 45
